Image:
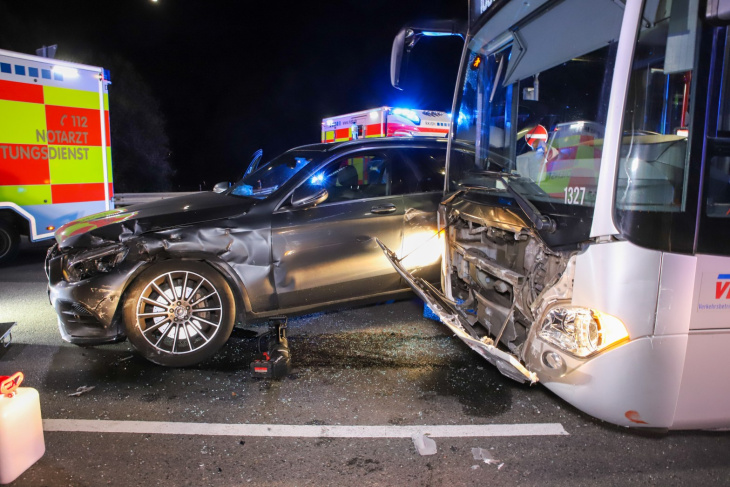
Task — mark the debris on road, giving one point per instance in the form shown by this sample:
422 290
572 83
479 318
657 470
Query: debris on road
424 444
6 335
482 454
82 390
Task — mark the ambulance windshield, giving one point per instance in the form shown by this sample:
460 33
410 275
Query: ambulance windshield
269 178
534 101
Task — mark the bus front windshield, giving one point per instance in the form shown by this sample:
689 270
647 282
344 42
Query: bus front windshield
536 109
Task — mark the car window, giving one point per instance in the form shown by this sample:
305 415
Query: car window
419 171
268 179
356 176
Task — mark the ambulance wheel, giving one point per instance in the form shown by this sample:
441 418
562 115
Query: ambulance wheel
179 313
9 242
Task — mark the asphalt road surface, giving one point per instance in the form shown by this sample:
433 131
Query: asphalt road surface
365 381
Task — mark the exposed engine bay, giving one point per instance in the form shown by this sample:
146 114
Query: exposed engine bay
499 278
497 274
498 271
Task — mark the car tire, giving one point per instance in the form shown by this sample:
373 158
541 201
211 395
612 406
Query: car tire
9 242
179 313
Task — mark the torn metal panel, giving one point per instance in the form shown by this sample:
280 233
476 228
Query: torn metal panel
453 318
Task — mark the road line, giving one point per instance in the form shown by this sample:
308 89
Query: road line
302 431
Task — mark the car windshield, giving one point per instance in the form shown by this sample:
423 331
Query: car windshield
264 181
538 110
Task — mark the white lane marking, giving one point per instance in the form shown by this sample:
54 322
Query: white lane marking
302 431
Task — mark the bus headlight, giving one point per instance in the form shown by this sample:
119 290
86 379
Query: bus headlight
581 331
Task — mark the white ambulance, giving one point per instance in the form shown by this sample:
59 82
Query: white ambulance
385 122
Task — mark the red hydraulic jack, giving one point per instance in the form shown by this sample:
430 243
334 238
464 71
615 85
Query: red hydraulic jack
276 363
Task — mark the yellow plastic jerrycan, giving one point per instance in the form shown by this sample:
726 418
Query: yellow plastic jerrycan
21 428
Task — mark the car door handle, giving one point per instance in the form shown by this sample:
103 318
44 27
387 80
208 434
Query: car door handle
380 209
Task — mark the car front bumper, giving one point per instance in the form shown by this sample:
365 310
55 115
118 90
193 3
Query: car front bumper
89 311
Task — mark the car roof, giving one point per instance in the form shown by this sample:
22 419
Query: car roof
419 141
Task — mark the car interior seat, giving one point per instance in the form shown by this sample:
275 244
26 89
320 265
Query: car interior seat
347 182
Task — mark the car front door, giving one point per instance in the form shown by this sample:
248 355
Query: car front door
328 253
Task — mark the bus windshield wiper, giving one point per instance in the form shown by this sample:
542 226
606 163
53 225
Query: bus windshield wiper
541 222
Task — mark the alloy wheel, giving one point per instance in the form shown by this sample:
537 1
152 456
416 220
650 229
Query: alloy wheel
179 312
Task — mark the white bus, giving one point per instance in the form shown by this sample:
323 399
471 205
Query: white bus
586 244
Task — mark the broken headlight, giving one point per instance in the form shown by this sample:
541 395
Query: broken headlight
85 264
581 331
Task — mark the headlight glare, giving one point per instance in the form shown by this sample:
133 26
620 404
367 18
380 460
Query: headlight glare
580 331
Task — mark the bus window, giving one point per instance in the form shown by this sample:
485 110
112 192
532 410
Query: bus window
652 205
654 147
714 228
717 183
718 187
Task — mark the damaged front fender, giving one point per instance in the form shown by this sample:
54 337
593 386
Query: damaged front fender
455 319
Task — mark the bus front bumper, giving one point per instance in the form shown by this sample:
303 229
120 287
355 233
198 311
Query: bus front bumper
635 384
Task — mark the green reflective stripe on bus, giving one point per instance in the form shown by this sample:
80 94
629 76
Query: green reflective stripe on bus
106 102
26 195
76 165
19 121
65 97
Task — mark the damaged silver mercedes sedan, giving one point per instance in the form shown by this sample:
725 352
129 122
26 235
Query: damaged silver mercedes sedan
295 235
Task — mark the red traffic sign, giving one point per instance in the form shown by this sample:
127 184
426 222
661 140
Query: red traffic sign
534 136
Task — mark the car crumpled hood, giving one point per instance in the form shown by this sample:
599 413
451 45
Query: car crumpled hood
123 223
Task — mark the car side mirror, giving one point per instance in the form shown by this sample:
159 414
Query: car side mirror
307 195
222 186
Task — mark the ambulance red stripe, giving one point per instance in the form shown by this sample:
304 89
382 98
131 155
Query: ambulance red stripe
73 126
106 126
10 90
77 193
373 130
23 164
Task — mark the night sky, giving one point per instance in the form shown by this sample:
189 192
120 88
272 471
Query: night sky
235 76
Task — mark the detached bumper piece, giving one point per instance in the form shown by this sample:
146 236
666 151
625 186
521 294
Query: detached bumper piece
6 336
449 315
276 362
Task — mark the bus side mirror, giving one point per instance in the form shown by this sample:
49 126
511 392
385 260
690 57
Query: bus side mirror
718 12
410 34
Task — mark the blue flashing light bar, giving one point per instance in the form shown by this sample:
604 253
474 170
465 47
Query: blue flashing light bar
408 114
437 34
